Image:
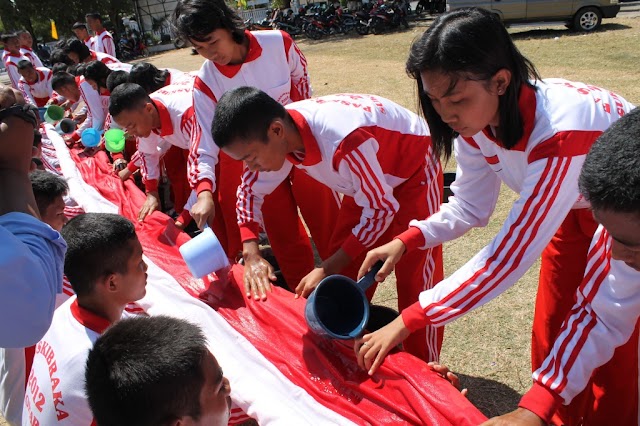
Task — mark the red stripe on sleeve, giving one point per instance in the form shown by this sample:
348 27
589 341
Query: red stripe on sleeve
530 213
564 144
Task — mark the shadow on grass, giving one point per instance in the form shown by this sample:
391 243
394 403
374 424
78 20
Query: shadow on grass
560 31
489 396
348 37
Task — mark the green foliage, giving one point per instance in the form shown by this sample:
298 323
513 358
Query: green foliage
35 15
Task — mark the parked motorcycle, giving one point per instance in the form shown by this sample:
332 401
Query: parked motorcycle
384 18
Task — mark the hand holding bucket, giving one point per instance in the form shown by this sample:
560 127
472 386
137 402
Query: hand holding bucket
338 307
204 254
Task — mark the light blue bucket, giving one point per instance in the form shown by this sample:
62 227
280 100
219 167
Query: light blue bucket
204 254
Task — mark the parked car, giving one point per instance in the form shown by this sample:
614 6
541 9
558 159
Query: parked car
581 15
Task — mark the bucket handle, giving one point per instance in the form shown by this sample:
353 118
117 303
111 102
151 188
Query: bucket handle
365 282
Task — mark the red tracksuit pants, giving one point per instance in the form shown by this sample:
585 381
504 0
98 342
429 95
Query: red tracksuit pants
418 270
611 397
289 239
175 164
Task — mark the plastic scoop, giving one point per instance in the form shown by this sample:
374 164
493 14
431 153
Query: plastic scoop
204 254
65 126
53 113
338 307
114 140
91 137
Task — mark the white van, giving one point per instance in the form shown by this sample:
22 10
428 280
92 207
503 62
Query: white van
581 15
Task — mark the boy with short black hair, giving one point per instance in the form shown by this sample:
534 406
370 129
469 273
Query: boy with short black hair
49 191
82 34
373 151
103 40
162 121
35 84
11 56
176 381
74 89
105 267
26 48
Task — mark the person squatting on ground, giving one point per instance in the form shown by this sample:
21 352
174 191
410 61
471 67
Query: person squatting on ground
533 135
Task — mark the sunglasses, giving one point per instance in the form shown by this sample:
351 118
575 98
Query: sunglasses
25 112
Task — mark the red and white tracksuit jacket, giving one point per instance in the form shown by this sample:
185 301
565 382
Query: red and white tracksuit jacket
561 121
175 107
603 318
11 65
31 56
39 92
97 108
88 42
275 65
103 42
379 155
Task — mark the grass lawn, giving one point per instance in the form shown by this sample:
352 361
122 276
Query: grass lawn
490 347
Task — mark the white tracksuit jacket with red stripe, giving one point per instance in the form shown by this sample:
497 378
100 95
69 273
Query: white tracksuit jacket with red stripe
11 65
105 58
97 108
604 317
562 119
31 56
273 64
103 42
362 146
40 92
175 106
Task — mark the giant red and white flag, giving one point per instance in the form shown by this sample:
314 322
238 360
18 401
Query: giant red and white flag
280 372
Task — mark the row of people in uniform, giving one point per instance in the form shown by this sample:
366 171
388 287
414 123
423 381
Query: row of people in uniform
18 46
509 126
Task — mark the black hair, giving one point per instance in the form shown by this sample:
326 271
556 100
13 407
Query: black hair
94 15
61 79
116 78
470 43
98 72
47 187
58 56
196 19
24 64
79 48
126 97
77 69
146 371
230 122
59 67
148 76
610 176
6 37
98 245
79 25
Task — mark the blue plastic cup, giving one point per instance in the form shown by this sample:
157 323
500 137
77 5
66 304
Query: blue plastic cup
338 307
91 137
204 254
